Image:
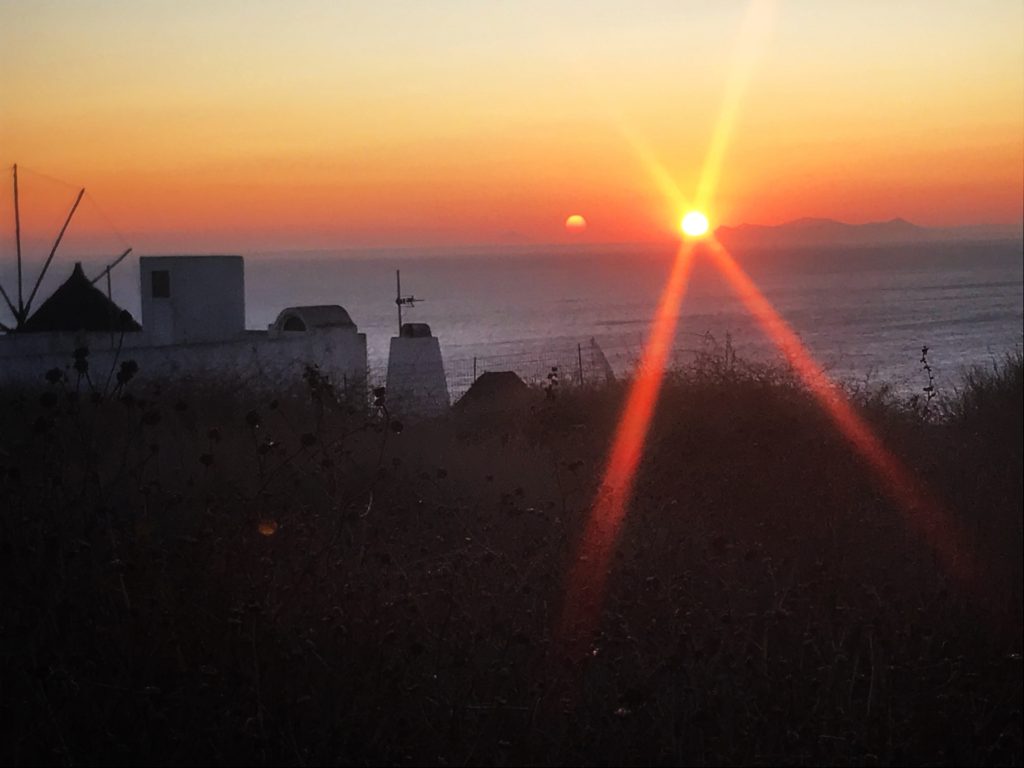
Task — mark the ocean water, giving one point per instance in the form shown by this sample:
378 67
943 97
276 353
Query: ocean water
863 312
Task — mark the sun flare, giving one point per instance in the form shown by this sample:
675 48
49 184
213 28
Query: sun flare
695 224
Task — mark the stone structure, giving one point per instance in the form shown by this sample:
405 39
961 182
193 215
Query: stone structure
416 384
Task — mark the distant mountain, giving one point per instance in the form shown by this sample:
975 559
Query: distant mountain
808 232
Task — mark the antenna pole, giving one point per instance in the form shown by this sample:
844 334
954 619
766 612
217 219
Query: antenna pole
400 299
46 266
17 242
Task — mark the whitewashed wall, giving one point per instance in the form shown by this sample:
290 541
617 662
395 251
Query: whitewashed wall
206 301
265 360
416 384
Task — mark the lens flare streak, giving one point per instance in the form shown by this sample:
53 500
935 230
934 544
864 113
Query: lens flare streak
588 573
585 588
753 35
924 512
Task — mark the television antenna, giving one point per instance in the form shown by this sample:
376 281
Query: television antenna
402 301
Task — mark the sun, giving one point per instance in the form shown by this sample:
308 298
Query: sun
695 224
575 223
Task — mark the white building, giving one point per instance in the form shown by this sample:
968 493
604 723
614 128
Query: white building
193 327
189 299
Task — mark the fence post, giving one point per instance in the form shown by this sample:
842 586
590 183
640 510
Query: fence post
474 368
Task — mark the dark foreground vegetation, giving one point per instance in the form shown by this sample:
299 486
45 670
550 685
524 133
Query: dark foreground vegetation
195 576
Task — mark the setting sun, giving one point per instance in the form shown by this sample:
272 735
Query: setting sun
695 224
575 223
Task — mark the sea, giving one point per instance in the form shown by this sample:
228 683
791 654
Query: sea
864 312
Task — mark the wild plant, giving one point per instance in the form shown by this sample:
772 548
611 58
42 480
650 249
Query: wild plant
765 602
929 388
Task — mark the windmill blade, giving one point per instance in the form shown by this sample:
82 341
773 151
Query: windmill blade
17 242
109 267
46 266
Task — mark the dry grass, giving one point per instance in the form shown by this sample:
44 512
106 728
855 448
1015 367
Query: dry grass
766 604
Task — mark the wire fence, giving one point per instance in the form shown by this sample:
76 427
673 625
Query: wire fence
562 362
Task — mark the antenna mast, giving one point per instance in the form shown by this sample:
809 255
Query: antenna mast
401 300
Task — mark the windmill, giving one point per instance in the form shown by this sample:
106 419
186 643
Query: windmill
23 309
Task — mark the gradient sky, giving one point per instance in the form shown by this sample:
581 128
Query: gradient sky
262 125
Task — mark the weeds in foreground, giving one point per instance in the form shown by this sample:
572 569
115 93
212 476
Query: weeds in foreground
986 392
197 574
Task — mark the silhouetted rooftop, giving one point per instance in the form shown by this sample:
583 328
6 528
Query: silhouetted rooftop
314 316
494 390
78 305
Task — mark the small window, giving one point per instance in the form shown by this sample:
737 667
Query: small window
161 284
294 323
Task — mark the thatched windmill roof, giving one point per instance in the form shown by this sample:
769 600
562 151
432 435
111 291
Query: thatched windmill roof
79 306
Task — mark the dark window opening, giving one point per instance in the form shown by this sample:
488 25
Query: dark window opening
294 323
161 284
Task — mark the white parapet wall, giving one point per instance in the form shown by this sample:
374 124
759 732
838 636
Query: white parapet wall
259 359
416 384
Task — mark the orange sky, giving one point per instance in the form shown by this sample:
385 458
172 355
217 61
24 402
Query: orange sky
258 126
